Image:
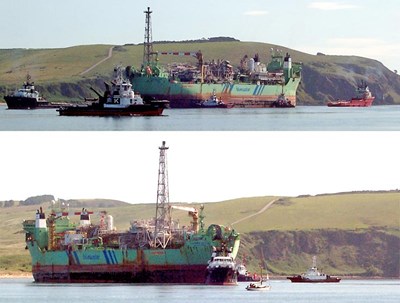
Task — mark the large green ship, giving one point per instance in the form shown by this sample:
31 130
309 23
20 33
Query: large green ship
151 251
252 84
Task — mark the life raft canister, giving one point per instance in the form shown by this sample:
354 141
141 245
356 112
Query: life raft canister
148 70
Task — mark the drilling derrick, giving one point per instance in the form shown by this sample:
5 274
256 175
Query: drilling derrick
148 40
162 232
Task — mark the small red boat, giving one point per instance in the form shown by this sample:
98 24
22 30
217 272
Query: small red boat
363 98
313 276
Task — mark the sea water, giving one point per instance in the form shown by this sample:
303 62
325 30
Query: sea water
301 118
282 291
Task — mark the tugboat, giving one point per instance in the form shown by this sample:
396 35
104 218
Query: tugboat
282 102
363 98
120 100
313 276
26 97
213 102
221 269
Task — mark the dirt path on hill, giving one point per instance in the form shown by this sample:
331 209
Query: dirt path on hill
110 51
257 213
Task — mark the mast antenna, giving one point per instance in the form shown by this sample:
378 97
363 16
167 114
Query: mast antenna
148 40
162 232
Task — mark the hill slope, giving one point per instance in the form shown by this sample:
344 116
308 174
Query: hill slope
351 233
60 74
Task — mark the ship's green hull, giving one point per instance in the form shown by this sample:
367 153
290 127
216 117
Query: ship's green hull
184 95
182 265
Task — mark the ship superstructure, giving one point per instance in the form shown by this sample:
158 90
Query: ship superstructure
151 251
252 84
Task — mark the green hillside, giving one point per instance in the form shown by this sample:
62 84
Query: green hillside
59 73
352 233
346 212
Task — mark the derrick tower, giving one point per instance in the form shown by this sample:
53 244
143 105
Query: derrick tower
148 40
162 232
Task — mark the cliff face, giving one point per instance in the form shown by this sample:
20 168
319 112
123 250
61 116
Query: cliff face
337 78
363 253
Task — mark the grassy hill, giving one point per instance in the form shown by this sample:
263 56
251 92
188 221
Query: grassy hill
58 72
352 233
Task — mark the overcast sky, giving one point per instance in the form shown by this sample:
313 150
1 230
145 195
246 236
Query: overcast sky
202 166
367 28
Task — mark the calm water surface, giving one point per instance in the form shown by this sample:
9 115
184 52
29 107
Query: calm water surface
351 291
301 118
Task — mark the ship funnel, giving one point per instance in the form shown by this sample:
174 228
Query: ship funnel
84 219
109 223
287 67
40 221
251 65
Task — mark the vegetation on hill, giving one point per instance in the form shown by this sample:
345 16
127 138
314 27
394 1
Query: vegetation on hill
60 73
37 200
350 233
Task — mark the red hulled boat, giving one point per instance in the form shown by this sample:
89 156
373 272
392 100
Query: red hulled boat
313 276
119 100
363 98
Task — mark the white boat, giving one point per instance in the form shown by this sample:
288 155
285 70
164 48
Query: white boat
213 102
259 286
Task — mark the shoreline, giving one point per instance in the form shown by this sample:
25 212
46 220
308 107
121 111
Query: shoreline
16 275
29 275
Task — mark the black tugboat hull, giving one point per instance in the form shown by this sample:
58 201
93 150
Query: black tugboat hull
20 102
221 276
300 279
134 110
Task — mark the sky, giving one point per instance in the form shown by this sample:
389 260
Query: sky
367 28
202 166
